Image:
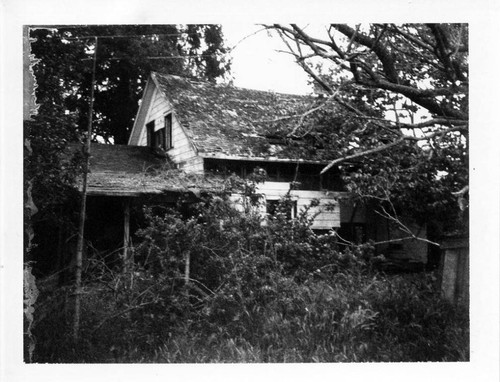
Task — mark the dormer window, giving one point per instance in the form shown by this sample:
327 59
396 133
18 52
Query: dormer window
168 131
160 138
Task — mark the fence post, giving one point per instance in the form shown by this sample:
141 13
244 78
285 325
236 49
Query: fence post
454 269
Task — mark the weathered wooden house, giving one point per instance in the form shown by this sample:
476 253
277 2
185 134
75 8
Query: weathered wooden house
217 129
196 129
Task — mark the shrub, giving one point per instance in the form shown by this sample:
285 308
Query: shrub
251 293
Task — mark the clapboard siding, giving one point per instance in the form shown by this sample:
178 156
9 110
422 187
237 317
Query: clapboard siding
182 151
154 108
159 111
136 136
327 212
193 165
239 203
152 105
184 154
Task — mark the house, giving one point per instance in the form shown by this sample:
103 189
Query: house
219 129
189 134
204 128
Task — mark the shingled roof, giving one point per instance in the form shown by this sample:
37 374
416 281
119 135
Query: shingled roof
226 121
122 170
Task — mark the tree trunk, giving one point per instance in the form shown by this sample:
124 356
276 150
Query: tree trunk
83 206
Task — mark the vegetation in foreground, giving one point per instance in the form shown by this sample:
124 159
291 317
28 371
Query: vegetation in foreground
256 294
277 293
349 318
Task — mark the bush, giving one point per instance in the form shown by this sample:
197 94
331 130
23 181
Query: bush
251 293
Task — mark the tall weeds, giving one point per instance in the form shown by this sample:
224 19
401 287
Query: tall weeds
273 293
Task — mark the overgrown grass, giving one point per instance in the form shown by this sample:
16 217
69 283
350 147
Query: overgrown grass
328 318
253 293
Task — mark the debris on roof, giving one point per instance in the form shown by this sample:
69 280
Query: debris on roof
223 120
122 170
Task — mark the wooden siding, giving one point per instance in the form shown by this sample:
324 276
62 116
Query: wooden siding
140 120
193 164
454 270
158 108
185 155
239 204
182 152
328 211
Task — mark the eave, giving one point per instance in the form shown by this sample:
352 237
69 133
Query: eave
259 159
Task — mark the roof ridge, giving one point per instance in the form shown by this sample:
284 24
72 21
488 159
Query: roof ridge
229 85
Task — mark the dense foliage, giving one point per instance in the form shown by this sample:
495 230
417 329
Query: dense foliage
51 169
49 165
253 293
404 92
126 54
210 283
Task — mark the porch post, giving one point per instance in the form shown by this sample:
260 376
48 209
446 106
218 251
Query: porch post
126 232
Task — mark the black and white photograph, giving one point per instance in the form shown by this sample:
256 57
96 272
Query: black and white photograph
213 191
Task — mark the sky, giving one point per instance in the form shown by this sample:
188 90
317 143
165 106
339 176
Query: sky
257 64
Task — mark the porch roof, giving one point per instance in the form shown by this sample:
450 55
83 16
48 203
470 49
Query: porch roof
122 170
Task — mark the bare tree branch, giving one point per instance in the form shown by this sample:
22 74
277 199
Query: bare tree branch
384 56
306 68
404 228
412 38
390 77
388 146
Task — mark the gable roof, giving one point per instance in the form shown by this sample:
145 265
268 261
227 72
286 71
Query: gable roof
229 122
122 170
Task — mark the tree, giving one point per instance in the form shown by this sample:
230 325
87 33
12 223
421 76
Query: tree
404 94
125 57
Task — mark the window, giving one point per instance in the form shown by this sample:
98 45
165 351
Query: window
288 207
150 129
156 139
168 131
161 138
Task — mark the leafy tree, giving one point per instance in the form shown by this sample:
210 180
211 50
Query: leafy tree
403 90
50 172
50 168
125 56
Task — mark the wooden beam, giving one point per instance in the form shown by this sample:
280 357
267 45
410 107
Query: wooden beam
126 232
